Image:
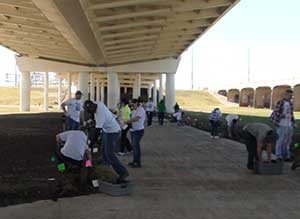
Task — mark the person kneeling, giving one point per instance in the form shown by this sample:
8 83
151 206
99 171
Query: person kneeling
72 147
256 136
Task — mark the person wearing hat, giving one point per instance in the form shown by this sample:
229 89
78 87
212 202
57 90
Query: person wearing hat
106 121
72 111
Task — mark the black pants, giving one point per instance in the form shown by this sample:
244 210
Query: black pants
214 128
149 117
251 145
63 159
161 117
93 135
125 143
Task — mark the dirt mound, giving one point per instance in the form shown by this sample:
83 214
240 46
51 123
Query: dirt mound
27 143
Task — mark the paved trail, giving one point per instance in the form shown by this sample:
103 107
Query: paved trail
186 175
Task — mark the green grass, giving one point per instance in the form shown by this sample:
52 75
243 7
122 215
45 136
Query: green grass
9 100
204 102
11 96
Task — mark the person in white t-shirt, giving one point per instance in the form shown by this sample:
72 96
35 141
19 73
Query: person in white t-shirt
231 120
73 111
178 116
137 121
72 147
106 121
150 110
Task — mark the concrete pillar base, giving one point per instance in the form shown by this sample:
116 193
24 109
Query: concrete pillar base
113 90
154 97
25 88
69 85
46 91
83 85
59 93
161 88
170 92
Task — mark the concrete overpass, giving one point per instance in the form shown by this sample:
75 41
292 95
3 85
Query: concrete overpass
97 43
262 94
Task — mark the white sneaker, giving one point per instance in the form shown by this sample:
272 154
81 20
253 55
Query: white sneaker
121 154
212 137
217 137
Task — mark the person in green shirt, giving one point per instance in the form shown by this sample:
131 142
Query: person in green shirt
161 112
124 116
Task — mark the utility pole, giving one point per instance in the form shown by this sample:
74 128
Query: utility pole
192 72
248 65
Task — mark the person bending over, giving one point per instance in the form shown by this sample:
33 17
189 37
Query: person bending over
231 121
106 121
72 147
256 136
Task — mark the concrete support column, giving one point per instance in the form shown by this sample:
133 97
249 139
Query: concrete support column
25 88
137 86
83 85
149 90
59 92
102 93
92 87
98 90
170 92
113 90
125 90
69 85
46 91
154 93
161 87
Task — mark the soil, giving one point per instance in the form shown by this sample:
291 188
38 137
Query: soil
27 144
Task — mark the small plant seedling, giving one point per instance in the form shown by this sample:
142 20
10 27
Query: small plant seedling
296 145
61 167
53 158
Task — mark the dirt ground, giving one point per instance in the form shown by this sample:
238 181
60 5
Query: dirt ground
27 143
185 174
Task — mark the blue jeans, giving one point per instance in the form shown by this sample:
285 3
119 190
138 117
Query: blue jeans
284 141
214 128
109 157
136 137
71 124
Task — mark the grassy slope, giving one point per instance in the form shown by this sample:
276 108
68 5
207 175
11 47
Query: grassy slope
202 101
9 99
10 96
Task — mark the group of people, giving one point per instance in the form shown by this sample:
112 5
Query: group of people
258 136
85 122
75 143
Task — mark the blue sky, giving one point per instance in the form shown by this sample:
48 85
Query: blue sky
270 29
